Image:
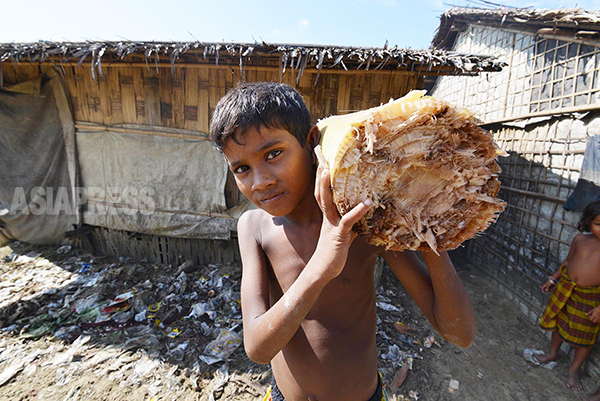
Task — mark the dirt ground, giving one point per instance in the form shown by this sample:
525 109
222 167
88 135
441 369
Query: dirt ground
50 348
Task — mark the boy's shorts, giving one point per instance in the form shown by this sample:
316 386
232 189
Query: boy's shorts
273 394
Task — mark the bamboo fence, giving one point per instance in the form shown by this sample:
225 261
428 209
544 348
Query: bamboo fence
532 237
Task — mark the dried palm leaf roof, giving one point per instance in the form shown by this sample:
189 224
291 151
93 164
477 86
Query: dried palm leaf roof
574 23
285 56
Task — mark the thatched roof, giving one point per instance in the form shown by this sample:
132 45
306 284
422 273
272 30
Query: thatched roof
286 56
571 23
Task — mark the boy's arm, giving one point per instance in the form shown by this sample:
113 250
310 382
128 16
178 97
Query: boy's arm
438 291
555 277
268 329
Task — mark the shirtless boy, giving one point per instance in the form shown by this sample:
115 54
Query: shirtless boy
572 312
308 296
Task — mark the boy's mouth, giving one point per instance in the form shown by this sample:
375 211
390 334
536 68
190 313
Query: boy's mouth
271 198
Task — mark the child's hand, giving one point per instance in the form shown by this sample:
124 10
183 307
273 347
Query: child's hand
594 315
336 231
547 287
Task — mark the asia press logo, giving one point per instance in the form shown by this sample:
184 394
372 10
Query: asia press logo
62 200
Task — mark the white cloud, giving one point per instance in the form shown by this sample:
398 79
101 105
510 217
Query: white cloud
304 23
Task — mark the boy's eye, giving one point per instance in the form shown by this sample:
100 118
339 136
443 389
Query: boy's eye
240 169
273 154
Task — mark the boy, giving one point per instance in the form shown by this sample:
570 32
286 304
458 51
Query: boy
308 297
572 311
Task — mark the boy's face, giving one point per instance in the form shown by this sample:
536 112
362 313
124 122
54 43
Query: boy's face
595 226
271 168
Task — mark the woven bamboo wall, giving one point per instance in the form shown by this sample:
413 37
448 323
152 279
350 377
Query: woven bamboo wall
532 237
542 75
187 97
160 249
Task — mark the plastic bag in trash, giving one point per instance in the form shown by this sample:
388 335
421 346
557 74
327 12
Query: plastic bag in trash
529 355
222 347
64 249
200 309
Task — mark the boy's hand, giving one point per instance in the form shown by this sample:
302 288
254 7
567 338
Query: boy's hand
594 315
547 287
336 231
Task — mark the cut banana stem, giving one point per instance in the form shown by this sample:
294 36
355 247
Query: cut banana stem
429 169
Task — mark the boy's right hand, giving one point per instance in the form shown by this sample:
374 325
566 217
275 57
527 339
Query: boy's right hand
336 231
547 287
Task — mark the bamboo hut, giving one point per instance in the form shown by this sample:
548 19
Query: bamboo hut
544 109
134 115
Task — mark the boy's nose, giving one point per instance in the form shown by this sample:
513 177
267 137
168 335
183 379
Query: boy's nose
262 180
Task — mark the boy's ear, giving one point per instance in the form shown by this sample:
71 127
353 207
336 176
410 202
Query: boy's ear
314 137
312 140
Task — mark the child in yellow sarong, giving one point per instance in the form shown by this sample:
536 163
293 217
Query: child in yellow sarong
573 311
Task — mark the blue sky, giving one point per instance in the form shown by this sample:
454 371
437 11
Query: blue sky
330 22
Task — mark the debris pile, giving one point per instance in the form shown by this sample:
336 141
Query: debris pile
401 341
74 326
136 323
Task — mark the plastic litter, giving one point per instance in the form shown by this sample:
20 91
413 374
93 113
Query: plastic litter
10 329
454 384
84 267
179 314
82 304
222 347
64 249
200 309
172 332
393 355
388 307
430 341
11 258
178 352
142 316
529 355
121 302
68 333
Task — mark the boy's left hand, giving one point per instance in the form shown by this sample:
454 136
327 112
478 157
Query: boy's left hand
594 315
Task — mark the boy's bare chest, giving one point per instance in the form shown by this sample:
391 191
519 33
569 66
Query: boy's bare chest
584 267
288 253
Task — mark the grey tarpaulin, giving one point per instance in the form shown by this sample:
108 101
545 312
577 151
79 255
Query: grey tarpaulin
36 151
587 189
153 183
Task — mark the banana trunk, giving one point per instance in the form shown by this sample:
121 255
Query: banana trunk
429 169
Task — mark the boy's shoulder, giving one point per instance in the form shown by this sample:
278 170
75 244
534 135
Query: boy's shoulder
586 240
252 217
254 222
583 237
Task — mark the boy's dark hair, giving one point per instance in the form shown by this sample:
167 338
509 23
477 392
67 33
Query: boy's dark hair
589 213
259 104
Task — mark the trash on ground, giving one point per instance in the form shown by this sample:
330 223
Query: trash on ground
529 355
222 347
399 378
